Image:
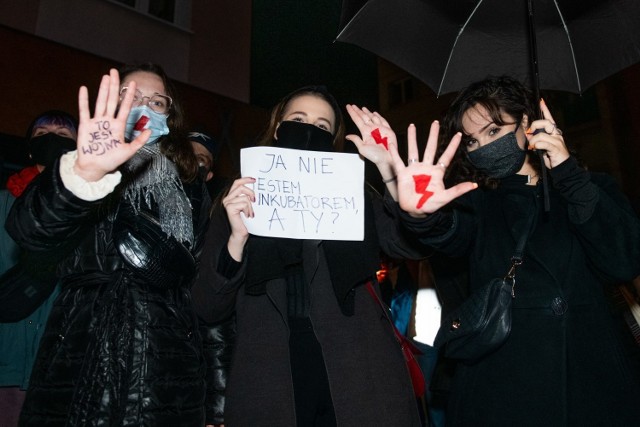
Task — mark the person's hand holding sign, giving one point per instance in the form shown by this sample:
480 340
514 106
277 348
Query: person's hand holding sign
238 201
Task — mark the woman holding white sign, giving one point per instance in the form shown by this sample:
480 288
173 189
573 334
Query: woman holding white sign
313 347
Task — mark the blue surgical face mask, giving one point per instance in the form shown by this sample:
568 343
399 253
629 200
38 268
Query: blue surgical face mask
143 117
500 158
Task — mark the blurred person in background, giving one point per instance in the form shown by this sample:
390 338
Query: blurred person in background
51 134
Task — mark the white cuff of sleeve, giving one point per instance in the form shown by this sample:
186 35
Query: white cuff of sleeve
85 190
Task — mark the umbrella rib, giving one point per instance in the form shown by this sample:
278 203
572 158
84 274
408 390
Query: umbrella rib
453 48
348 24
573 56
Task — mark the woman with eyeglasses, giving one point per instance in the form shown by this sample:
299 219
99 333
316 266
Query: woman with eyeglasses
123 218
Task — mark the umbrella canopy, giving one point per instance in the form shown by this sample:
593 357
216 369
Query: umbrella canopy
449 44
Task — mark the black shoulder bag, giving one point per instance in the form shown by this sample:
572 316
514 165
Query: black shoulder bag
25 286
482 323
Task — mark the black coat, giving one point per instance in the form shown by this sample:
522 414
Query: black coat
122 345
567 361
369 381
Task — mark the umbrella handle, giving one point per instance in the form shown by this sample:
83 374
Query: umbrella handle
545 181
533 50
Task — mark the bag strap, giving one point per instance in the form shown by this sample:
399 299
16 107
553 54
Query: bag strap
517 257
399 337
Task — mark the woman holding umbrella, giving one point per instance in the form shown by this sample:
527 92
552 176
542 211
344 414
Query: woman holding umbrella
566 361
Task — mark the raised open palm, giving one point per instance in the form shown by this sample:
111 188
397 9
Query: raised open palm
101 144
421 187
376 135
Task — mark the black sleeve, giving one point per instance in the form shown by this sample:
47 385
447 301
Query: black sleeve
602 219
201 204
450 230
220 277
227 266
433 225
49 219
575 186
218 343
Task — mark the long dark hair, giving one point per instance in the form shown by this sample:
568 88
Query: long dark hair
498 95
175 145
277 113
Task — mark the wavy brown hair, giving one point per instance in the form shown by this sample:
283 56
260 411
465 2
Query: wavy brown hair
277 113
498 95
175 145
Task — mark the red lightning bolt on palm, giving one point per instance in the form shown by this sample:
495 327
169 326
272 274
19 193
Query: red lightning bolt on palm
422 182
379 139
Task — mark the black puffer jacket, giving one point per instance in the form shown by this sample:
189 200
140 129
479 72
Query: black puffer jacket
122 346
218 342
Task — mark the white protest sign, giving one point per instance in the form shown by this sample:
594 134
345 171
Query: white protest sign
305 194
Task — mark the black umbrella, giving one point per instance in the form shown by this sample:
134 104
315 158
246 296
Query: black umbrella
449 44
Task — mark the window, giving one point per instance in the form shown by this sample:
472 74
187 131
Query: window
175 12
401 91
163 9
131 3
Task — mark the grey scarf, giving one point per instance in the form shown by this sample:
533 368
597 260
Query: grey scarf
154 178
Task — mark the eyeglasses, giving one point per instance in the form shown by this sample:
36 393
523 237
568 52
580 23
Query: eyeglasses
159 103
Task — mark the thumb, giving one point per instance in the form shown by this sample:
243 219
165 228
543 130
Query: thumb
140 140
460 189
357 141
395 157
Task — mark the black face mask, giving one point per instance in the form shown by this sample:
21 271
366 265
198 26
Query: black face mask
499 159
203 171
303 136
45 149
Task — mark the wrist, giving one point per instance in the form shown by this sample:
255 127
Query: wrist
417 214
82 187
89 175
235 246
387 172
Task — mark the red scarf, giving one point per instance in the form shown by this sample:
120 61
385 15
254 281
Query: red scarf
17 182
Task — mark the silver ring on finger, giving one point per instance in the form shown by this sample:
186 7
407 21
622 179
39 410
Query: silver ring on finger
442 165
412 161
